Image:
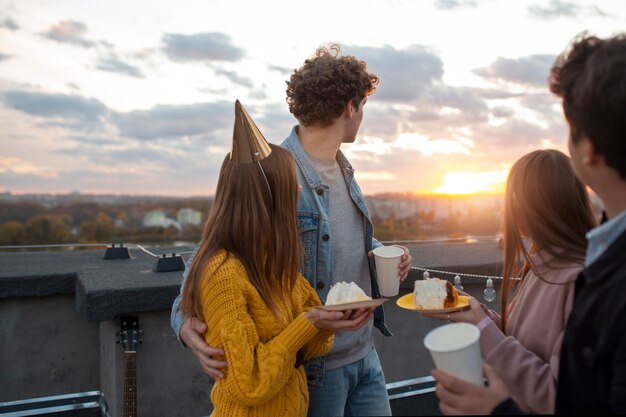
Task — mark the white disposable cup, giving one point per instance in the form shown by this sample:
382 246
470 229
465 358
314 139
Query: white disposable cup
455 349
387 259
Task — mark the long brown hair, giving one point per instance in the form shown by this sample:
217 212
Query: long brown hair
547 203
259 230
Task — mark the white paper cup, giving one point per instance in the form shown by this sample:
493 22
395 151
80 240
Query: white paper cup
455 349
387 259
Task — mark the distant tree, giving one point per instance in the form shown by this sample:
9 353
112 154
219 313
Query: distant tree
19 211
44 229
100 230
11 233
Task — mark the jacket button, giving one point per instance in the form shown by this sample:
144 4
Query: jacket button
320 191
325 238
320 284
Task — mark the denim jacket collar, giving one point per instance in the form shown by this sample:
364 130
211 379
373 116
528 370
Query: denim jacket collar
310 174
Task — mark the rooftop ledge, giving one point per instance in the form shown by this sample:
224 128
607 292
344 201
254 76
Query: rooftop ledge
106 288
62 314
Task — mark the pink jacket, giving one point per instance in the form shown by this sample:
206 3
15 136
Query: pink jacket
527 357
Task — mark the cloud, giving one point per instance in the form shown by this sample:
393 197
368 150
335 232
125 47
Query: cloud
439 112
531 70
555 9
79 111
175 121
453 4
17 166
9 23
502 112
281 70
429 147
512 134
69 31
275 121
94 140
201 47
545 105
234 77
404 74
469 106
115 65
116 155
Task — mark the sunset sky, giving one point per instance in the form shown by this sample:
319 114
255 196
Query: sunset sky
137 97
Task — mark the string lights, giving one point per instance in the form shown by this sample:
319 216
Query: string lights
489 293
457 282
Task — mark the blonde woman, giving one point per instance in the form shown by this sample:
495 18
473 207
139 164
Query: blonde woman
244 283
548 205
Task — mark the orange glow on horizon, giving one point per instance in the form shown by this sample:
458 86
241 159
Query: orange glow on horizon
466 183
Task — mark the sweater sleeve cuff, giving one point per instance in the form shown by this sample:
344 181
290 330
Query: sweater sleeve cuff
298 333
486 321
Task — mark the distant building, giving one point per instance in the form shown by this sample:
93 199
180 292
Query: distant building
189 216
157 218
402 206
399 207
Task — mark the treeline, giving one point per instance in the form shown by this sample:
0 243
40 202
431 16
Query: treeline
32 223
426 225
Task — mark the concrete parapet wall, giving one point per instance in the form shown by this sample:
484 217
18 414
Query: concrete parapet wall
58 342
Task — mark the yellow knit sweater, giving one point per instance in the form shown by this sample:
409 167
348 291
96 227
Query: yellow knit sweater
260 348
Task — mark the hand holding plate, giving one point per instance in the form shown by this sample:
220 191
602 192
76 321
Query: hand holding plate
473 313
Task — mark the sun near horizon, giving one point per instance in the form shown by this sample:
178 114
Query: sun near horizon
470 183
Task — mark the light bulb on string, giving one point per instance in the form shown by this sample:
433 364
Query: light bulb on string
457 282
489 293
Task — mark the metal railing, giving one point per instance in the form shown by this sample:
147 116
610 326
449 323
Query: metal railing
78 402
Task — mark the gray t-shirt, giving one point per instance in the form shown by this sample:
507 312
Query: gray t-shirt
349 260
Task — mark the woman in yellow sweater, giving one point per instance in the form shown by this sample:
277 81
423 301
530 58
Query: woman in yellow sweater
244 283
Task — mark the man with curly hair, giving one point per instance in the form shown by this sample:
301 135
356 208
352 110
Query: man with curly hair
327 95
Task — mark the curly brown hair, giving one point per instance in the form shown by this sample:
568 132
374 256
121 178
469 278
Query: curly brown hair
319 90
590 77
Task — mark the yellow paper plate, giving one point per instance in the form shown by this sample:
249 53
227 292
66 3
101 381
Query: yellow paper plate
407 302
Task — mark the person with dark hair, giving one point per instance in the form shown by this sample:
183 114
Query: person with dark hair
590 78
547 204
327 95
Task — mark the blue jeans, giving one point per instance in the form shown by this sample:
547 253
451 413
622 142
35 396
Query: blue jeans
357 389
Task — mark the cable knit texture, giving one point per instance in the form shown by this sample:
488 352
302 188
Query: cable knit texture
260 348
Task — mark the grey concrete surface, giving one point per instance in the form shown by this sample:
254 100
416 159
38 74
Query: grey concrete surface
46 348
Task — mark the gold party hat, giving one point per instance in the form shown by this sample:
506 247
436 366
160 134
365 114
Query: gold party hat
249 144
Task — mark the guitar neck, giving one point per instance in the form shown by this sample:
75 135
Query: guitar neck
130 385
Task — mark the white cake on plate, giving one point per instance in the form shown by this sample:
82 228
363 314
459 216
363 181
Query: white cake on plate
434 294
345 292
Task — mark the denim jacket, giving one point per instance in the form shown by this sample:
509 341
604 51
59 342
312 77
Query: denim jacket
314 227
317 237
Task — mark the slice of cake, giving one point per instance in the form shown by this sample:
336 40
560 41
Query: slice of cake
434 294
344 292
